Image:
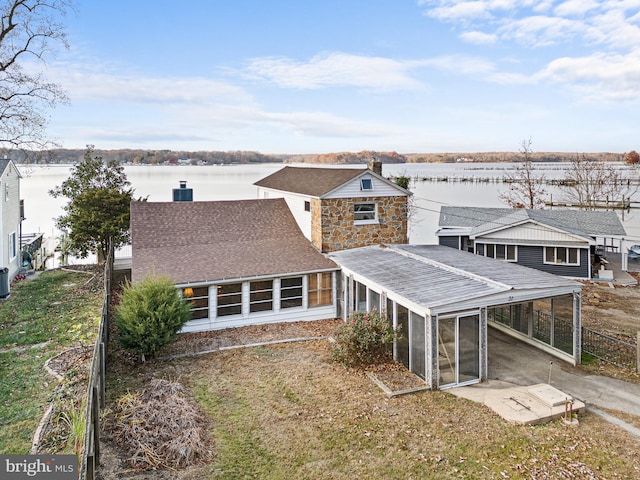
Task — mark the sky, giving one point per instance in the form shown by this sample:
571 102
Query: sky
411 76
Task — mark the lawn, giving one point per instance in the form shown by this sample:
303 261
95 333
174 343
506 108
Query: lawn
286 411
43 317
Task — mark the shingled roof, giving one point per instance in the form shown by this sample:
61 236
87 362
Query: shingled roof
193 242
577 222
311 181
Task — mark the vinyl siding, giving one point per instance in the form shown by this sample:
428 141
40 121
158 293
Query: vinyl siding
352 189
453 242
533 256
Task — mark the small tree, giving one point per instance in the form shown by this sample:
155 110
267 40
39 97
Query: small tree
99 206
526 189
591 182
150 314
365 339
632 158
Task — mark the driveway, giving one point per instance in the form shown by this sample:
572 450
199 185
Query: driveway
513 361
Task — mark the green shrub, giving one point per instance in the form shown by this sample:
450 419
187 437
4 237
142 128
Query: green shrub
150 314
365 339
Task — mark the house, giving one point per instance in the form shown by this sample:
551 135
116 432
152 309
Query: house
443 300
239 262
249 262
11 218
562 242
341 208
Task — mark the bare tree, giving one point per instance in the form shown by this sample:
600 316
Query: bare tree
29 30
526 189
591 183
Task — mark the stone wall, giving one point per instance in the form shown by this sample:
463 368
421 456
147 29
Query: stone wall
333 228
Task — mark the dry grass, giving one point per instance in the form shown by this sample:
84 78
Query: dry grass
286 411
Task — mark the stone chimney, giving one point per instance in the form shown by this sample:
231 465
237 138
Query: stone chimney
375 166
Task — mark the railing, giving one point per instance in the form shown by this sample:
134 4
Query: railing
610 349
96 390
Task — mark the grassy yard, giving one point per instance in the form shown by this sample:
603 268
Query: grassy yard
287 411
43 316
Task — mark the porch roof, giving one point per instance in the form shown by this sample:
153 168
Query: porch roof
435 276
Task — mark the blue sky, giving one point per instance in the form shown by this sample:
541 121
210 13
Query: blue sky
350 75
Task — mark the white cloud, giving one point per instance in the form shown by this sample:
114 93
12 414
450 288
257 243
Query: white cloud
479 38
335 69
575 7
599 77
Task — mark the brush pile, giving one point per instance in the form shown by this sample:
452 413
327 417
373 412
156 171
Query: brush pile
159 428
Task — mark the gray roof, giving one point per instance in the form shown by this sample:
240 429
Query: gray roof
195 242
434 275
316 181
577 222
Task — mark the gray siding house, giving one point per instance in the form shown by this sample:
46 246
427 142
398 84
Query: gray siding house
10 217
562 242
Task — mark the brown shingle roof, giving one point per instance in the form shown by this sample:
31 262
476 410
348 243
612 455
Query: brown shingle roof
311 181
206 241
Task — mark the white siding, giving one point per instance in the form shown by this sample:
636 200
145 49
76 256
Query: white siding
352 189
295 202
532 232
10 211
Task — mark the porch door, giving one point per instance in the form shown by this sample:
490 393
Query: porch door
459 350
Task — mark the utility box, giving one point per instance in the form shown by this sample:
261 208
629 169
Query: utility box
4 283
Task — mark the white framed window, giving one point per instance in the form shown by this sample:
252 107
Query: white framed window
320 291
229 299
261 296
499 252
562 255
291 292
198 298
13 246
366 184
365 213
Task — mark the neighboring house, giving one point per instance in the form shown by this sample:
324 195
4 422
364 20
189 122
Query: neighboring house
443 300
11 215
239 262
562 242
341 208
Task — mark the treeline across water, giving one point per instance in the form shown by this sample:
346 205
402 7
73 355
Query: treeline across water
173 157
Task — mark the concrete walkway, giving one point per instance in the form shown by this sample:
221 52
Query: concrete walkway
515 362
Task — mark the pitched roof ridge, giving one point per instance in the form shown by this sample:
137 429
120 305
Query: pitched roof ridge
449 268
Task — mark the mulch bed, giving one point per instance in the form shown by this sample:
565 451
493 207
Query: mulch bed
212 340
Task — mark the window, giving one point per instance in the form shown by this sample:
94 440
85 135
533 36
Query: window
261 296
307 206
291 292
562 255
13 247
229 299
198 297
499 252
366 184
320 289
365 213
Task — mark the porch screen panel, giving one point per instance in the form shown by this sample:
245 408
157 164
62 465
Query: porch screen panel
402 343
361 290
229 299
541 328
320 289
374 301
291 292
563 323
261 296
468 348
418 345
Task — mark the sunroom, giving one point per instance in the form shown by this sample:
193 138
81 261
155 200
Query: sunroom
443 300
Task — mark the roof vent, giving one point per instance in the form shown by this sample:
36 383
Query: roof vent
183 194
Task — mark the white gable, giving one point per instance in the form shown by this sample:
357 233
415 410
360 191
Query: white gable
532 232
353 188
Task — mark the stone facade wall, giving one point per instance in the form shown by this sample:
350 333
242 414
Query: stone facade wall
333 228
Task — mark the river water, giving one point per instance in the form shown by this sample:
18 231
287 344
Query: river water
235 182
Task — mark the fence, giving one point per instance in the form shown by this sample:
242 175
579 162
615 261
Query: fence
610 349
96 390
